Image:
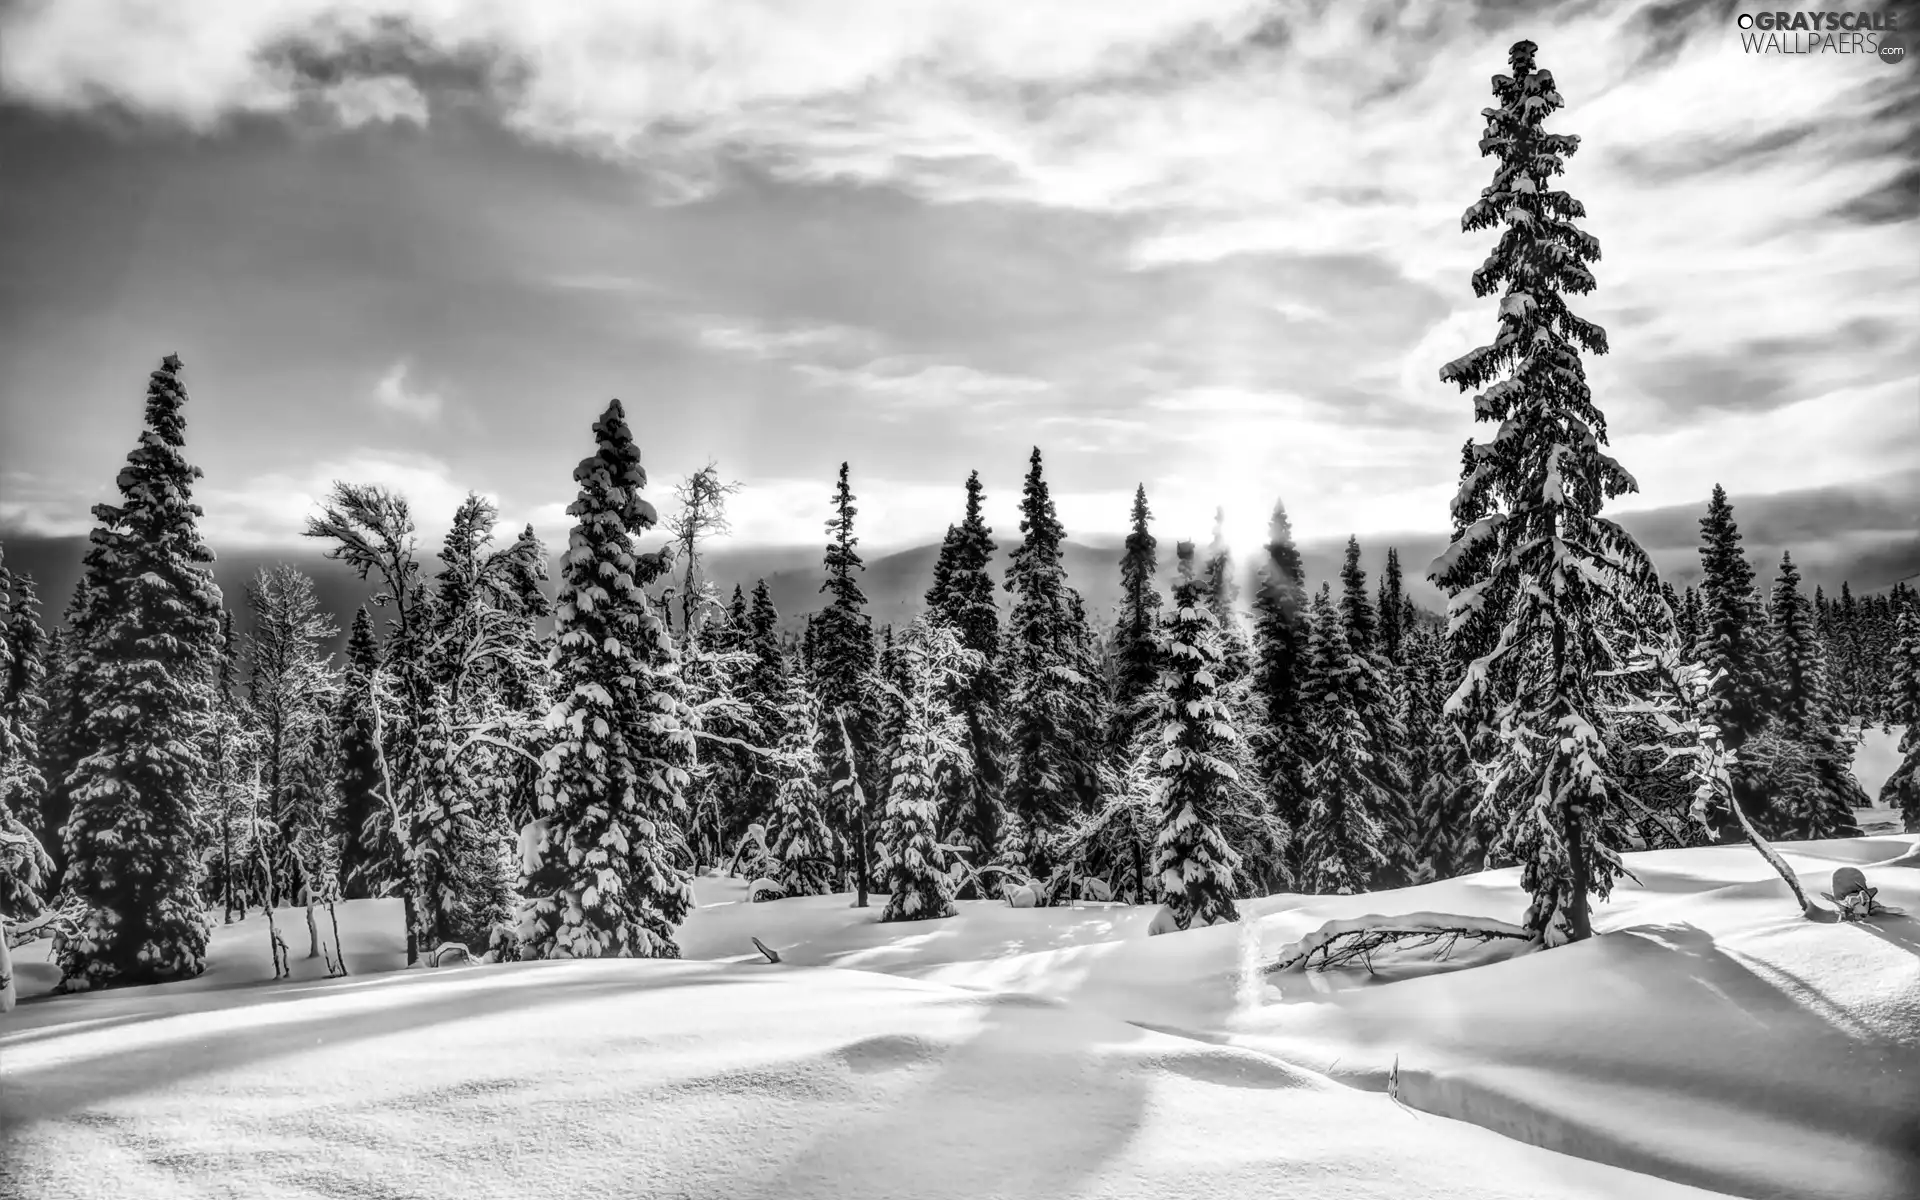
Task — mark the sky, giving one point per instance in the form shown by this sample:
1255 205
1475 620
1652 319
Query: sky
1210 246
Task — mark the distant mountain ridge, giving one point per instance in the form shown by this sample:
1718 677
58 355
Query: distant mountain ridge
1869 538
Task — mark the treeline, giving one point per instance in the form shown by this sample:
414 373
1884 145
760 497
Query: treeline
536 792
530 793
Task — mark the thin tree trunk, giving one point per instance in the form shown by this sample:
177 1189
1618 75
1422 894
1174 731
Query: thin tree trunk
226 851
339 950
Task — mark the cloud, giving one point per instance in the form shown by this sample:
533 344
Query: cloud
1252 266
396 393
387 99
906 384
753 339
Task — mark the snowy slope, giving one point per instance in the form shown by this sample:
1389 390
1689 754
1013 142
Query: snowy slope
1708 1037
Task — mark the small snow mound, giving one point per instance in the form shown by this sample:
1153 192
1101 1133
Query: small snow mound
764 889
1023 896
887 1052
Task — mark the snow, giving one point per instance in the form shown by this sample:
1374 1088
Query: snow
1708 1038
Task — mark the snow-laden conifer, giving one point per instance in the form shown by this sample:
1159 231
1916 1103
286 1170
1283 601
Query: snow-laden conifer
1543 591
929 737
1052 708
150 640
1366 687
798 836
1803 714
599 876
1280 630
360 820
1196 869
1902 788
1732 645
1343 840
23 699
962 598
1136 655
843 661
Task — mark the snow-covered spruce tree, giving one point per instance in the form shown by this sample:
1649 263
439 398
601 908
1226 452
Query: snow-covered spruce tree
290 690
762 688
1686 619
599 878
54 738
1803 714
929 739
1280 629
1051 708
361 821
962 598
26 871
1343 842
1732 646
1136 653
151 638
843 669
23 699
1540 585
1196 869
798 835
1902 788
1368 688
1440 782
459 871
1395 612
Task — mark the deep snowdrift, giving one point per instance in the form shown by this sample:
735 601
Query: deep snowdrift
1709 1036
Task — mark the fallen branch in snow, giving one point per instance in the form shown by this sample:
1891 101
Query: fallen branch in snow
773 956
449 952
1340 943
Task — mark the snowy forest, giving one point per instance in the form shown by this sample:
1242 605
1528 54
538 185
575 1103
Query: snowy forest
537 762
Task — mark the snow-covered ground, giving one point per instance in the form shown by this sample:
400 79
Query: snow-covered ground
1709 1041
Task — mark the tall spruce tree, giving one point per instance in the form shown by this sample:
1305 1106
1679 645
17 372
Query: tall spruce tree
1732 646
1541 587
929 739
361 820
1135 650
1367 688
599 875
1394 611
151 637
1343 838
52 740
26 871
1280 634
1196 869
1732 636
962 598
23 700
1686 619
1052 705
799 838
844 662
1439 777
1803 713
